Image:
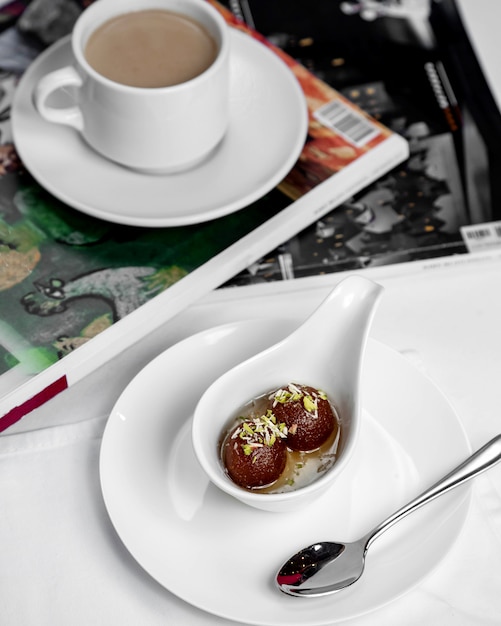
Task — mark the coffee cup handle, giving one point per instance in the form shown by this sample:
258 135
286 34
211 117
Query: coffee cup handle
48 84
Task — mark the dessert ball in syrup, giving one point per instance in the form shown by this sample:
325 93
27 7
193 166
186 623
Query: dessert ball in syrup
255 451
307 413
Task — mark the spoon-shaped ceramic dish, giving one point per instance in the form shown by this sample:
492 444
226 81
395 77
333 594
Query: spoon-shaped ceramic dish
327 567
326 352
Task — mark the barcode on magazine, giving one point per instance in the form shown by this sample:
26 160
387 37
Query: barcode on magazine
482 236
343 120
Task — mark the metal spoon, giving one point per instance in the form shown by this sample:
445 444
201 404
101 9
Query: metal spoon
344 562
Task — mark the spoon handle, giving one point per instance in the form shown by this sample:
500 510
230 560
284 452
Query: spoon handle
487 456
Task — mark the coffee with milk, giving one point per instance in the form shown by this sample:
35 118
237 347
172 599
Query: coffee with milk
151 48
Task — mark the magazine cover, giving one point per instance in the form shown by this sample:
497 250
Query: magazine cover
76 290
432 208
413 213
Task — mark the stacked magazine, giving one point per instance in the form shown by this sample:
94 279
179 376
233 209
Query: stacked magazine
77 290
435 207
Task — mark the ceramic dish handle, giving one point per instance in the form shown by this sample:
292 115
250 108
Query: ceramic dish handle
50 83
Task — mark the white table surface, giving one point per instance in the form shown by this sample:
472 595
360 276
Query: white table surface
62 562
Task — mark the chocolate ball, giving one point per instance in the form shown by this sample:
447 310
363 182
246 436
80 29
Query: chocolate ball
255 452
307 413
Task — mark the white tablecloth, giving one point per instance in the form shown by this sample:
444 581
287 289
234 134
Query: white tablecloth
61 560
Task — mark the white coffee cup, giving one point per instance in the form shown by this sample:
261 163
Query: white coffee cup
154 130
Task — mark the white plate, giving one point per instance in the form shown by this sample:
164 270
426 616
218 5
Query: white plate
220 555
268 125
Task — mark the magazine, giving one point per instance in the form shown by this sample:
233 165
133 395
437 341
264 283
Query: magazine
415 212
77 290
429 211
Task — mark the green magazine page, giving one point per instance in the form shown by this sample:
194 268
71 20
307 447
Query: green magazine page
67 276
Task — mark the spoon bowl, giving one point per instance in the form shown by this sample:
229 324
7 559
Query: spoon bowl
333 566
325 352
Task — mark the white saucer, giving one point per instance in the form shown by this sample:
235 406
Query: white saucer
222 556
267 132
